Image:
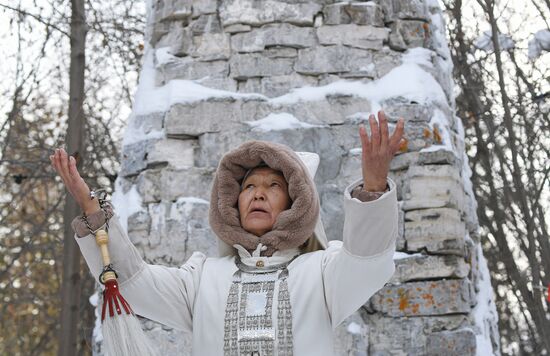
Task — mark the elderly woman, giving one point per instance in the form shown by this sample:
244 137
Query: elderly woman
279 287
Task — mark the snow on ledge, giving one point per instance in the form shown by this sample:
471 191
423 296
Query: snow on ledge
397 255
420 56
277 122
354 328
133 134
164 56
356 151
192 200
149 98
126 204
444 128
408 80
183 207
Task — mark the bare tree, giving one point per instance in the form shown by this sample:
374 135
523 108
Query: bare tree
70 289
34 103
507 130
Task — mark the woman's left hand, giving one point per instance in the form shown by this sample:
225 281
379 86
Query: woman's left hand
378 151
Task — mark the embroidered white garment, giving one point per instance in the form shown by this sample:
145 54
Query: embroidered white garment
324 287
258 315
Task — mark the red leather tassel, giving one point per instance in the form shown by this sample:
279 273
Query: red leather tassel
548 294
114 300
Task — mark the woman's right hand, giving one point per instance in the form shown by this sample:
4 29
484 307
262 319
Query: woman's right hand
65 166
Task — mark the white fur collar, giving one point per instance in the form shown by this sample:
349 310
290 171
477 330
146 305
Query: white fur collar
278 257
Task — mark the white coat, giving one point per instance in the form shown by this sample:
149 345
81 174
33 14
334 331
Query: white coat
325 286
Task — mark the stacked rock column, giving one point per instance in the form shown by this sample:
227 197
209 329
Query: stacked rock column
254 56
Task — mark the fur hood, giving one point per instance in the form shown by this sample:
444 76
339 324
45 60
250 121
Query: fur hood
294 226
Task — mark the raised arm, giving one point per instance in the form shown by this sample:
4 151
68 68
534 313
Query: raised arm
160 293
377 152
356 269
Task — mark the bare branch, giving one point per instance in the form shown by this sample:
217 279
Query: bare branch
37 18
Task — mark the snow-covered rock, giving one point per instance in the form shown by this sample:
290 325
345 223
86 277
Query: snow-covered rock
307 73
280 121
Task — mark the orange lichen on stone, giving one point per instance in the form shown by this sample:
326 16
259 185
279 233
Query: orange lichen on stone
404 145
403 302
415 308
427 132
426 28
403 299
389 300
429 299
437 135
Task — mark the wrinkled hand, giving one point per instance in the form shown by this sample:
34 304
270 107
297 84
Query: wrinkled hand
65 166
378 151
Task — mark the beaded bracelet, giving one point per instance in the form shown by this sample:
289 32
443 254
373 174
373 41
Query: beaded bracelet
103 204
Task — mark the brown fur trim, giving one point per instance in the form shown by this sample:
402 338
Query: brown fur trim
293 227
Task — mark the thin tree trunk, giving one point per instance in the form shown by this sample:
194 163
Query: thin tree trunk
498 202
538 313
70 290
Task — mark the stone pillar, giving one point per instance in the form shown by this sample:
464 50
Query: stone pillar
305 73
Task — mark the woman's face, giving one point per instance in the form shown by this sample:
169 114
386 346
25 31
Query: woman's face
263 196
